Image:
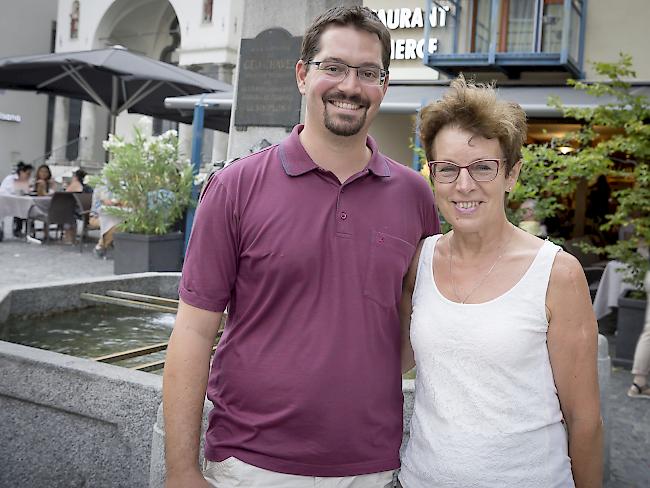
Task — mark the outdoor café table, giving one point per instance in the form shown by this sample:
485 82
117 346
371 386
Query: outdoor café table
23 206
611 286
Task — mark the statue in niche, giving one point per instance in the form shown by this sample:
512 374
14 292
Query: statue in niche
74 20
207 10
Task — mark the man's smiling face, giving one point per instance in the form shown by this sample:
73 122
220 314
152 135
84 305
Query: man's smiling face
344 107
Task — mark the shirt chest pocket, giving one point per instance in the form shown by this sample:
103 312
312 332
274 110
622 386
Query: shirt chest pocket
388 261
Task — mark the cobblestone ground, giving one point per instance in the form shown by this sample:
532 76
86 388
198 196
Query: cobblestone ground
630 429
630 448
22 263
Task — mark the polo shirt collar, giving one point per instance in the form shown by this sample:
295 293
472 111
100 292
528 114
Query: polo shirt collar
296 161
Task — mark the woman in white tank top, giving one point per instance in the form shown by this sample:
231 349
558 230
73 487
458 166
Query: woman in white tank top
500 322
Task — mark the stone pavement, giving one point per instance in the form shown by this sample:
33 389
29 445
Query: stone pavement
22 263
630 449
630 429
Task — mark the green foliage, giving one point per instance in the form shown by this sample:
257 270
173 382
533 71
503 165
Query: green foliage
151 187
424 171
548 176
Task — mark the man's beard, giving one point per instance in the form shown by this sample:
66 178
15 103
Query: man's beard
343 125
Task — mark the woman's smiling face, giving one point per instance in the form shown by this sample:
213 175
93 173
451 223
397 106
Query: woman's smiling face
468 205
43 174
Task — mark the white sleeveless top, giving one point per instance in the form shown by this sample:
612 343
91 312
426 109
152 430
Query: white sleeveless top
486 409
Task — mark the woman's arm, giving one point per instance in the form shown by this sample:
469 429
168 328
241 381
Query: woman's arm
408 361
573 346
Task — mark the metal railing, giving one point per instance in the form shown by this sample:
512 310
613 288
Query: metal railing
492 38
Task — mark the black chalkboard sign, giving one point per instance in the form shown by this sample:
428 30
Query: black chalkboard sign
267 94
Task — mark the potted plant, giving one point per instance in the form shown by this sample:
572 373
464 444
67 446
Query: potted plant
548 176
152 189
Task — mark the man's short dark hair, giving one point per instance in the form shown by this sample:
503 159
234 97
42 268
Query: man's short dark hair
360 17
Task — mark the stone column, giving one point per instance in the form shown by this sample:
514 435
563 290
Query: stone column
60 129
185 140
259 17
219 146
220 139
226 71
87 134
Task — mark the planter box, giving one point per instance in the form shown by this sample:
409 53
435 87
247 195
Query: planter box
139 253
631 317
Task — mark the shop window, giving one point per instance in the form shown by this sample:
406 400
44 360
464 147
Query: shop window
49 128
523 26
74 129
207 11
74 20
519 23
552 26
481 26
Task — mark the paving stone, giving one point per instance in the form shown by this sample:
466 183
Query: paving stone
22 263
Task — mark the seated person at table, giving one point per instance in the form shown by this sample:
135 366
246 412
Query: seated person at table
44 184
529 221
77 184
17 183
641 364
107 223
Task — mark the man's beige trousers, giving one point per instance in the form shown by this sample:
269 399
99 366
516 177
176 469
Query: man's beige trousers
232 473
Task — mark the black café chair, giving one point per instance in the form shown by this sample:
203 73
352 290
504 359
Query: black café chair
62 211
84 205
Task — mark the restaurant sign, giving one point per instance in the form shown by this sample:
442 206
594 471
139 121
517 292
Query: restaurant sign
10 117
412 48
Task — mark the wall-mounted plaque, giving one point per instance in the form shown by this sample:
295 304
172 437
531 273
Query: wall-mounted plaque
267 94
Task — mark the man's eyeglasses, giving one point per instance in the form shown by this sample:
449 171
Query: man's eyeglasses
337 71
481 170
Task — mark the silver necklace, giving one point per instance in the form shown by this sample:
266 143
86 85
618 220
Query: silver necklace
451 275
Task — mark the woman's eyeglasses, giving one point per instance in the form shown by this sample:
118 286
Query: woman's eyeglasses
482 170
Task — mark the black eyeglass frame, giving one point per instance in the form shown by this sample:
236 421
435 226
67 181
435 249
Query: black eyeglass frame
383 73
432 172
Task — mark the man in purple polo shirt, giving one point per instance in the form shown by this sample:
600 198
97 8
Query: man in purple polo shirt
307 243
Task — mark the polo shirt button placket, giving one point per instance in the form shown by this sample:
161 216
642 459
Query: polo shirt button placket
343 220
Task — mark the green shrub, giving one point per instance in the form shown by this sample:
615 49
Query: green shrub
549 176
145 176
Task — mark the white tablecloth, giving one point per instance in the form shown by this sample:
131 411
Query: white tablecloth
611 286
23 206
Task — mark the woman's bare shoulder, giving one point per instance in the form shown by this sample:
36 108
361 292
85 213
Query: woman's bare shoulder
567 285
566 267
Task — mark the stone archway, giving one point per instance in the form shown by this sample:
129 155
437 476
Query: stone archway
142 26
139 25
